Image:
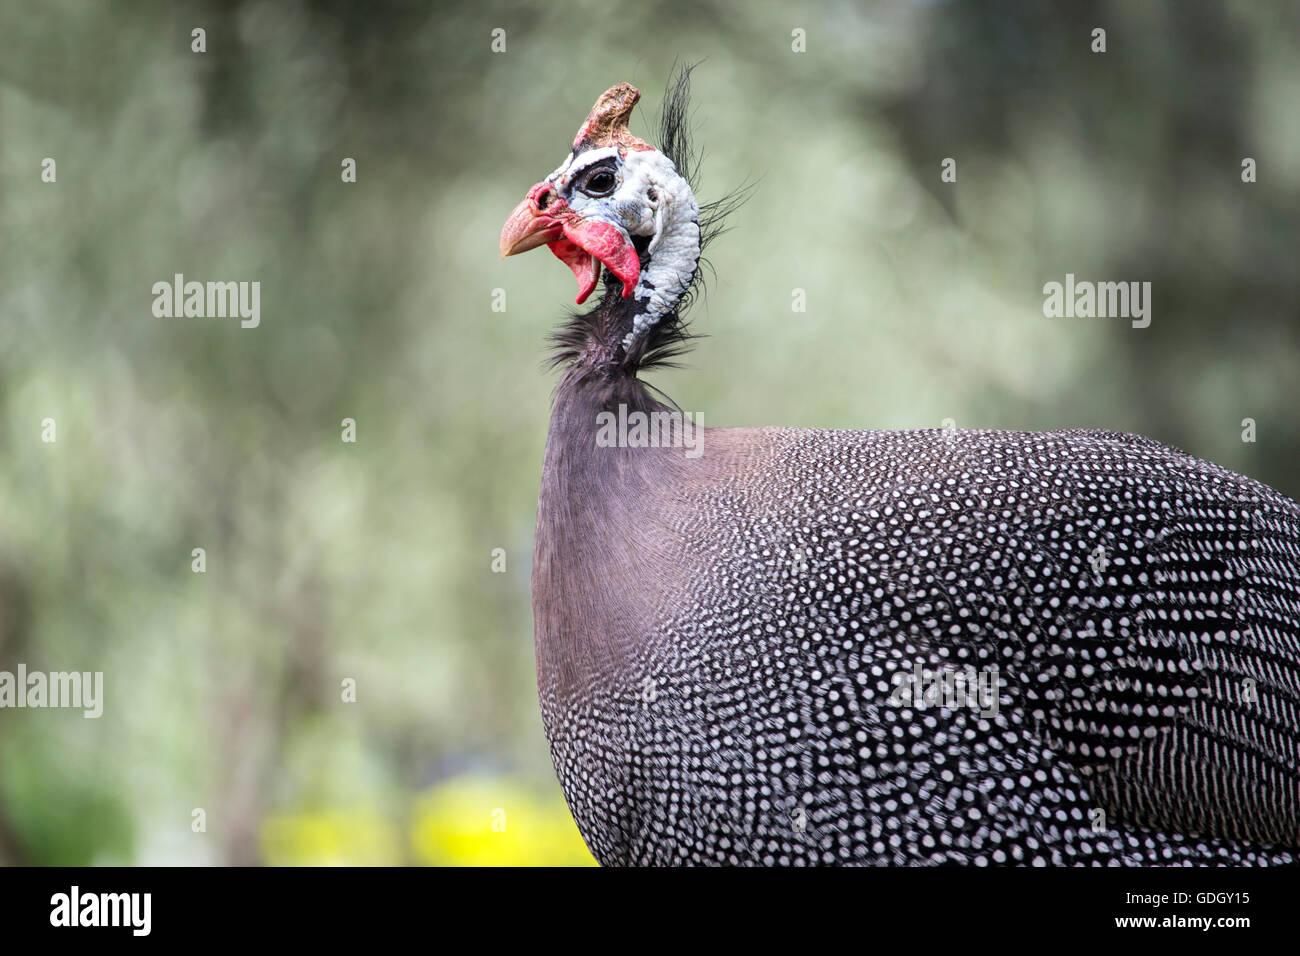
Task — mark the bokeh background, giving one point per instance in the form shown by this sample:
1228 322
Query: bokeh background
373 561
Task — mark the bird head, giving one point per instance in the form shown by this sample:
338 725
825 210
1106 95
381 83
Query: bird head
615 202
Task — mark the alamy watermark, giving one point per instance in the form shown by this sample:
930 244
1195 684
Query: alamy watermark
1102 300
73 689
209 300
659 429
948 687
132 911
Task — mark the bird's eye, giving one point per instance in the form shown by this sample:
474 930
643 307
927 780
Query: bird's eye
601 182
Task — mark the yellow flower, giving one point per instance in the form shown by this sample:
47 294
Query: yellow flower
494 821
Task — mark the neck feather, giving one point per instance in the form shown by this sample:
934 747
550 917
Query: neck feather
672 257
598 557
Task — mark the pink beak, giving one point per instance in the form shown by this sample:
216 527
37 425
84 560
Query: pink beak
543 218
528 227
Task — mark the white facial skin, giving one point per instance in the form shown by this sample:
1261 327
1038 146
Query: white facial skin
643 195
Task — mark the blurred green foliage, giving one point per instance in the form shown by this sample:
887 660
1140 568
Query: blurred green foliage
328 561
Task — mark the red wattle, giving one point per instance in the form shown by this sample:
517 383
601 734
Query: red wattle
585 266
610 245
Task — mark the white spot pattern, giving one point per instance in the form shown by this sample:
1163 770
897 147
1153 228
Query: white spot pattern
770 737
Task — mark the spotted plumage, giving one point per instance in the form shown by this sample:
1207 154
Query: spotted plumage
755 725
752 657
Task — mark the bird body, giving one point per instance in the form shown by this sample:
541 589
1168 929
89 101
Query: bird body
809 647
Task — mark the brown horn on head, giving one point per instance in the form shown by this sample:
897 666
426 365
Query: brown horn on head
606 124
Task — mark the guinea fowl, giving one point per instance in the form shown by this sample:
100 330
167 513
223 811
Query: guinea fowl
777 651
